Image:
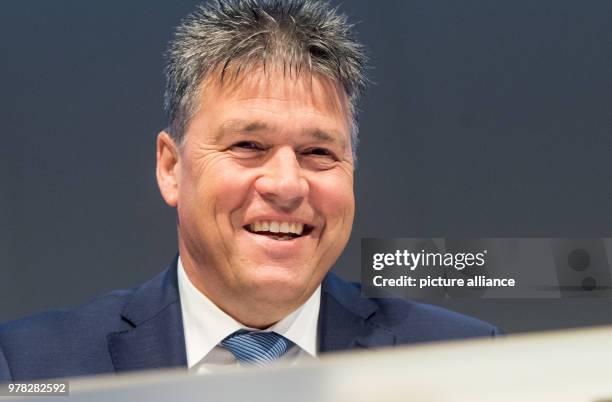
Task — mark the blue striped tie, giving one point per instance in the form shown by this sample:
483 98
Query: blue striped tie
256 348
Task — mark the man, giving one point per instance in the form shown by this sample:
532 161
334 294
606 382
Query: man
258 161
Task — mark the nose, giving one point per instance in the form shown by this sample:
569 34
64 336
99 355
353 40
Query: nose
282 183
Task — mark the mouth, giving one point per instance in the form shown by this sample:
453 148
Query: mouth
277 230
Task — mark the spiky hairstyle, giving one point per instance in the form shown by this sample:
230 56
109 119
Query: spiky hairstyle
295 34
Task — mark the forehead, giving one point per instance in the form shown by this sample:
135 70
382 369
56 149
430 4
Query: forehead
311 87
261 97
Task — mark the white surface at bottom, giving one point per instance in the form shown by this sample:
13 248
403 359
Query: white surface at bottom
554 366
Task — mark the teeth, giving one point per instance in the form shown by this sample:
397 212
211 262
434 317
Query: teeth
274 226
277 227
298 229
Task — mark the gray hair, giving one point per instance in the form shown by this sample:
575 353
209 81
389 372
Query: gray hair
296 34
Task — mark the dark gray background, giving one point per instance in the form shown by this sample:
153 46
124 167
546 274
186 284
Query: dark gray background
487 118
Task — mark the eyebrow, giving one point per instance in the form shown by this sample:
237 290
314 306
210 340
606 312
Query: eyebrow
249 127
240 126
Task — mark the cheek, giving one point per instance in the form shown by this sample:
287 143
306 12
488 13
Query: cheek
333 197
222 191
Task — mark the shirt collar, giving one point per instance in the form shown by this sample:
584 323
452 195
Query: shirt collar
205 324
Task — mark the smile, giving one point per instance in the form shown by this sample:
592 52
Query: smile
279 230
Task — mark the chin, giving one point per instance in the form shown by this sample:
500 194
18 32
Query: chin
280 286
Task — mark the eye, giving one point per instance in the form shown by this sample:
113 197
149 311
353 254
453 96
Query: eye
321 152
247 146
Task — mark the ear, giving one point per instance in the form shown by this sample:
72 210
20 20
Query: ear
168 168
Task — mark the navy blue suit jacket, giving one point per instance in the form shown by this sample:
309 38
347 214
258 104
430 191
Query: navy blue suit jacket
142 329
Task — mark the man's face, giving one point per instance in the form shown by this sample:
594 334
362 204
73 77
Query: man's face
265 187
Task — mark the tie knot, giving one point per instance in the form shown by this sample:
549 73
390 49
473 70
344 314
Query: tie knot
256 347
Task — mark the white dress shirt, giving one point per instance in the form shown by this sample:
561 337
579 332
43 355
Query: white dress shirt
206 325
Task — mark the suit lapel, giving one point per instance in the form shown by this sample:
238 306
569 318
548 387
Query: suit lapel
155 337
347 320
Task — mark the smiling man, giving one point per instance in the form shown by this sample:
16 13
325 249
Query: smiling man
263 185
258 160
